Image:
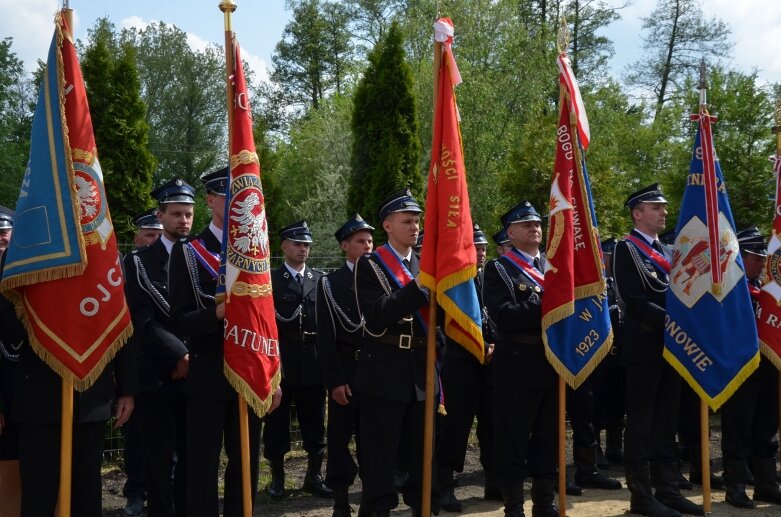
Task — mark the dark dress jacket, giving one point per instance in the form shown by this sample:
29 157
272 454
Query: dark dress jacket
384 368
514 305
296 310
339 327
193 311
146 289
642 290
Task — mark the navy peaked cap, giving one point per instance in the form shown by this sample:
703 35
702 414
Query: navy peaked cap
501 237
298 232
174 190
6 218
355 224
216 181
523 211
477 235
401 201
148 220
650 194
751 240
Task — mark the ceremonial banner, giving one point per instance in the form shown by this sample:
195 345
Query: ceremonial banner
62 267
575 316
710 336
769 313
251 347
448 262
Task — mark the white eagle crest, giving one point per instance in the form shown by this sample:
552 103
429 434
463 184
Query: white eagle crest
88 197
252 228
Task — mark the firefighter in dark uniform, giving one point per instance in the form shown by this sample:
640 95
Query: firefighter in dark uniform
212 404
608 378
468 385
653 387
148 230
294 287
163 356
391 374
524 396
12 337
339 341
503 244
749 419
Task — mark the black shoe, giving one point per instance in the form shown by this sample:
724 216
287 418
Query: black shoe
513 499
313 481
602 462
276 489
642 502
766 487
664 478
571 489
735 481
683 483
587 475
134 507
447 496
341 503
695 478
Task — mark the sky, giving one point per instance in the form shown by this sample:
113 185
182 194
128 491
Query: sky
756 29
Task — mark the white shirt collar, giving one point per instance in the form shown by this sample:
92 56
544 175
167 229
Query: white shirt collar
646 237
351 265
295 272
168 243
528 257
408 257
216 231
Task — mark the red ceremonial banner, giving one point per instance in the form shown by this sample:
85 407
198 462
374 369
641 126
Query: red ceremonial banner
769 297
251 347
448 261
63 267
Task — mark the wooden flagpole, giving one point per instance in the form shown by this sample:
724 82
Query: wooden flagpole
562 448
431 350
66 433
704 437
228 7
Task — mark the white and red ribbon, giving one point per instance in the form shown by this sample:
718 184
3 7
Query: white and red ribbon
568 78
443 33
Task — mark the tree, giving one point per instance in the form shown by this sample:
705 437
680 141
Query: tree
15 123
590 51
184 91
676 36
314 56
386 148
118 121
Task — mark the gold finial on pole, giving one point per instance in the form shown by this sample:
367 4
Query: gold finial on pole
562 41
227 7
703 85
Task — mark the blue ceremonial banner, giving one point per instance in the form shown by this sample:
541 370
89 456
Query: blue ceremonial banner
710 336
45 215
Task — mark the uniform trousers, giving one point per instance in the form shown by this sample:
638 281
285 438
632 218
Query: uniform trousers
208 421
609 383
343 424
390 429
749 419
39 466
652 399
464 402
525 432
310 413
133 455
165 446
580 408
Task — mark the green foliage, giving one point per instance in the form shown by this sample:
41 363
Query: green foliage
386 147
118 121
15 123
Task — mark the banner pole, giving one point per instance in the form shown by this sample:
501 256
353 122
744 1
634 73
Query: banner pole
705 457
562 448
66 448
428 421
228 7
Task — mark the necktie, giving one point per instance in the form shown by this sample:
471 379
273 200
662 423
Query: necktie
406 264
658 246
299 279
537 264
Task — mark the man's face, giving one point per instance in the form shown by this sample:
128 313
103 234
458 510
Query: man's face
402 228
357 245
146 237
177 219
480 253
753 264
216 203
5 239
650 218
295 252
525 235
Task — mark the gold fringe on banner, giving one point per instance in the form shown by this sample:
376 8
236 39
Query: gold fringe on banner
770 354
258 405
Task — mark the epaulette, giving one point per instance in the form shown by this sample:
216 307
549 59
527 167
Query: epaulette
321 271
143 249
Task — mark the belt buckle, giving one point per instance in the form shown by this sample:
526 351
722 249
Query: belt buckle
357 353
405 341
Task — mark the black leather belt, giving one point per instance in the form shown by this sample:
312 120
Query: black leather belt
350 353
404 341
520 337
300 337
